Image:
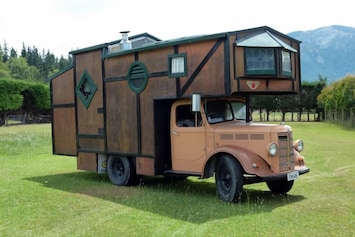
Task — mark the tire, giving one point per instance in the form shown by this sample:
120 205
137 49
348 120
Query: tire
280 186
120 170
229 179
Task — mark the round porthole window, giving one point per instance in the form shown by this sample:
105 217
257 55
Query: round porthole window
137 77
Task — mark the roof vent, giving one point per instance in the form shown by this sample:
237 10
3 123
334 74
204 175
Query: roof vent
125 42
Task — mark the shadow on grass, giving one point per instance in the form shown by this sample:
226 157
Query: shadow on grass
190 200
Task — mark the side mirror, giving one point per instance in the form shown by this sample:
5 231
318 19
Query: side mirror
196 102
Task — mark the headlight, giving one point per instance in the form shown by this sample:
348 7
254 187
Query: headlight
272 149
298 145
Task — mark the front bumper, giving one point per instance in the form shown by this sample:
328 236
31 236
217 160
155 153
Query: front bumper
283 176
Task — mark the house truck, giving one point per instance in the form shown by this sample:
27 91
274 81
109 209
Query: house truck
140 106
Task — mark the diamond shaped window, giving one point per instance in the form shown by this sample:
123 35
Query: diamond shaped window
86 89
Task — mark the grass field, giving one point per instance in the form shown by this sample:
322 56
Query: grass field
44 195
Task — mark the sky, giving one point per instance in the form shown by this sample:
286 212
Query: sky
61 26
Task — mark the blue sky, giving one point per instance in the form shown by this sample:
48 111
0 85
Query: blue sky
65 25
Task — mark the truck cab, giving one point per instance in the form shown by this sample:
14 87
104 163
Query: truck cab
216 137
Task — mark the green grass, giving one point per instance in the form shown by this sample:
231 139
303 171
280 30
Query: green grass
44 195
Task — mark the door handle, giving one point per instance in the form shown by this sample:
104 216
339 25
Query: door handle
175 132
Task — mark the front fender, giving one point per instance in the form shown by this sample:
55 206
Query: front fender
251 162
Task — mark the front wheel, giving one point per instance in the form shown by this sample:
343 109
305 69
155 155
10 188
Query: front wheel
120 170
280 186
229 179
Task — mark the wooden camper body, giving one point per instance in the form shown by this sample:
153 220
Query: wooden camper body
118 102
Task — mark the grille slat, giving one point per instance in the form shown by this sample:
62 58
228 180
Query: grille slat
286 155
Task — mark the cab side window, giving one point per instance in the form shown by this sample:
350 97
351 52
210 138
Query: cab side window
186 118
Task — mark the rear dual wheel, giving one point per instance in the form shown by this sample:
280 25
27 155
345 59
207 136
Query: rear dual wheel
121 170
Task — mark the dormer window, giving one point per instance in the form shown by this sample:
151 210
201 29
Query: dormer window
260 61
266 55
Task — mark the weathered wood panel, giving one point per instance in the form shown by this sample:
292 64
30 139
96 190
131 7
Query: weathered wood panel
210 80
92 144
121 118
239 63
87 161
232 75
145 166
63 88
63 114
118 66
64 131
89 119
156 60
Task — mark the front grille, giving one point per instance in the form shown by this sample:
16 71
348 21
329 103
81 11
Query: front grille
286 155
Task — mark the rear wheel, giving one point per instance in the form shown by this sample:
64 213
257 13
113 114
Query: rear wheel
120 170
229 179
280 186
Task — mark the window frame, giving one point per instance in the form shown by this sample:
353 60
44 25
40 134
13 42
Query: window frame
278 63
171 58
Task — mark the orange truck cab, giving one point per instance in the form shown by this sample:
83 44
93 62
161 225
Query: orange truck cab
218 138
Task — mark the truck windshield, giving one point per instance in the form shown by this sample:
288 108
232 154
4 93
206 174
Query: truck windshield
223 110
239 110
219 111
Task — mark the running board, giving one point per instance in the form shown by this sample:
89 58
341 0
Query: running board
180 173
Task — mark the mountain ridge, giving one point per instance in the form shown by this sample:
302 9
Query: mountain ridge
327 51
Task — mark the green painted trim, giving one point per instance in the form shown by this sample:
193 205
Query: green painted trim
86 100
286 73
91 136
104 45
63 70
166 43
137 70
261 72
172 42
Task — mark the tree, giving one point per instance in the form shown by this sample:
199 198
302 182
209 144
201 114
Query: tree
23 51
287 103
36 99
13 53
65 62
10 96
49 65
5 55
4 70
19 69
263 102
338 97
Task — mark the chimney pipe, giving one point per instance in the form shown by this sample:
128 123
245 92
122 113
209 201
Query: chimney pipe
125 42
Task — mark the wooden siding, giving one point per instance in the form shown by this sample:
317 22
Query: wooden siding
91 144
64 132
87 161
145 166
90 120
121 118
210 78
63 114
63 89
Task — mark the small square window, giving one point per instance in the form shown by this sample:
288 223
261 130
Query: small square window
177 65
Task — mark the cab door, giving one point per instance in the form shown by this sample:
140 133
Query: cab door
188 139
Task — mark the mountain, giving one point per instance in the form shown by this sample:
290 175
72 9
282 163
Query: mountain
328 52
